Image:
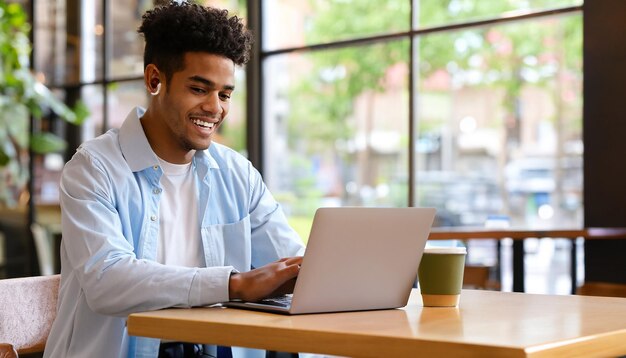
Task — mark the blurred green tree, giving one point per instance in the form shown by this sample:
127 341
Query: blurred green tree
504 57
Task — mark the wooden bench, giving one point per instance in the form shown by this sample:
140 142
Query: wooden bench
28 307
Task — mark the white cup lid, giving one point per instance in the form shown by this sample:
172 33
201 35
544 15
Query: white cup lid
445 250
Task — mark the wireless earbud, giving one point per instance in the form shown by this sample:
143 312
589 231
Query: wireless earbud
158 89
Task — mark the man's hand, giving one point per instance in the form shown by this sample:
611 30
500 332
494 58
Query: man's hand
275 278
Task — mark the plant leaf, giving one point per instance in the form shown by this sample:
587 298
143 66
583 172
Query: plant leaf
81 111
14 118
42 143
47 98
4 158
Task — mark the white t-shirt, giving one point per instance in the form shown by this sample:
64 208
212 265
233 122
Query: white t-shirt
179 234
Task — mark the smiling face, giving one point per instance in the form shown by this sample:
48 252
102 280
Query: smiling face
186 113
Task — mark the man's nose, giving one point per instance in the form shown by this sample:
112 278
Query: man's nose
212 104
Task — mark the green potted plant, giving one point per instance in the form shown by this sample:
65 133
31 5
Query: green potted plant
23 97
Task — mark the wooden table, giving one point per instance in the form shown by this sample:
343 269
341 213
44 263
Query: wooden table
487 323
520 234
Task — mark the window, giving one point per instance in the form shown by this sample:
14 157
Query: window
473 107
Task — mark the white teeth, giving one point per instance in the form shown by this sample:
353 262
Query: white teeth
203 123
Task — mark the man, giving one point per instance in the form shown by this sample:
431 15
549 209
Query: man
155 215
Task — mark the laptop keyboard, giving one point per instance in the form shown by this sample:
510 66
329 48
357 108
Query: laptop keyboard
280 301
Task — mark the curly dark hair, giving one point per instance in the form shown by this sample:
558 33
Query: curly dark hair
176 28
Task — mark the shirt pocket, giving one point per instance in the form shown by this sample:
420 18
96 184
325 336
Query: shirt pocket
228 244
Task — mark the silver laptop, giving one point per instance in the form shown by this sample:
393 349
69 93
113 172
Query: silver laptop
356 259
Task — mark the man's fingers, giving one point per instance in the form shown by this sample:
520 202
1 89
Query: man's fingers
296 260
293 270
285 288
276 277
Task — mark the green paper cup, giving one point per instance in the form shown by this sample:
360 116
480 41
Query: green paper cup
440 276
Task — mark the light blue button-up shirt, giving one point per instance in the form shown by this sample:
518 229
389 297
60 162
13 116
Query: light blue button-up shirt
110 197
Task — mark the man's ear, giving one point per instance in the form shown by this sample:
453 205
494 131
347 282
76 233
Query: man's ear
152 78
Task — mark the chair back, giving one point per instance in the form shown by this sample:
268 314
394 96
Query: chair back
28 306
478 277
607 289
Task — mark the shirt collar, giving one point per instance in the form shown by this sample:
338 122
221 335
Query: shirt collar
137 151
